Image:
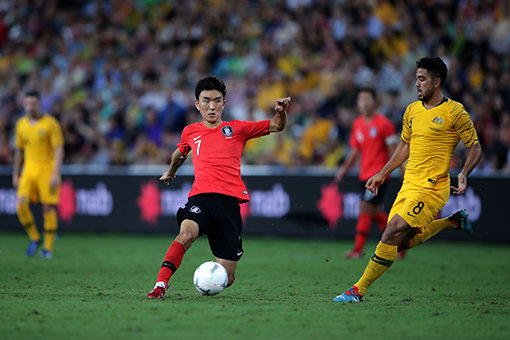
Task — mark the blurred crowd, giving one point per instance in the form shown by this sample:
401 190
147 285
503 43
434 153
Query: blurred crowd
120 75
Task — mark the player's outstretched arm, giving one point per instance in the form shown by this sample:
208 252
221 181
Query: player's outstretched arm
177 160
397 159
472 160
279 119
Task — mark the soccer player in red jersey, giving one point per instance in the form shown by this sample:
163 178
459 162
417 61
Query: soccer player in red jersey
213 202
373 138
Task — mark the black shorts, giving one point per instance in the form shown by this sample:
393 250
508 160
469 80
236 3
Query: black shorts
219 217
367 196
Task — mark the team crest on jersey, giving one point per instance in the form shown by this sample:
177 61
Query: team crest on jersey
227 131
359 137
194 209
373 131
438 120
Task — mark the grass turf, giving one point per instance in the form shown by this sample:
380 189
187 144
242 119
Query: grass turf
95 288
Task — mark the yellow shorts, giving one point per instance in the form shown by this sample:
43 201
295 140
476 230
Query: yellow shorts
419 206
35 185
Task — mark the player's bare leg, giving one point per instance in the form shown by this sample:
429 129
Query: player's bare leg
381 218
397 232
27 221
230 266
188 233
369 212
458 220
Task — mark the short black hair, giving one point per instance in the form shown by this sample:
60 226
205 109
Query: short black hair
435 66
33 93
368 89
210 83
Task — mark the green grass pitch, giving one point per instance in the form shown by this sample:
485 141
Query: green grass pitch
95 288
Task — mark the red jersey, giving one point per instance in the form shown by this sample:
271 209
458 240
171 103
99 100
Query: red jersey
217 155
371 139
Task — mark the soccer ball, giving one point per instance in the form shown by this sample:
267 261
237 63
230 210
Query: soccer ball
210 278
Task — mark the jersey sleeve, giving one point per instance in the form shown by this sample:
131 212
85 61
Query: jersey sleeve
389 128
353 141
183 145
389 132
464 126
253 129
56 138
405 136
18 136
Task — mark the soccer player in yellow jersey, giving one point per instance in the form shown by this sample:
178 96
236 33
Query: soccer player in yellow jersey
39 146
431 129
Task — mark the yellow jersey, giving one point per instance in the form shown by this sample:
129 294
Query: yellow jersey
432 136
38 140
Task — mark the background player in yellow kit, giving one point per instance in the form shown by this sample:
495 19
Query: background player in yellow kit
431 130
39 146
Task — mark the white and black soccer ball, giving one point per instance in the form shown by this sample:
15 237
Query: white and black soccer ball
210 278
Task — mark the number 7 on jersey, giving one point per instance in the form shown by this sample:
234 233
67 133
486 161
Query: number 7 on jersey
198 142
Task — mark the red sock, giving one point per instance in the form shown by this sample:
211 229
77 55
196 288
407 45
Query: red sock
173 259
362 231
381 218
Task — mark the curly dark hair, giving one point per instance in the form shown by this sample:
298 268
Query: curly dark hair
435 67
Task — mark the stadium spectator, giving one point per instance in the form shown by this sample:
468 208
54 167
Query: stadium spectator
117 57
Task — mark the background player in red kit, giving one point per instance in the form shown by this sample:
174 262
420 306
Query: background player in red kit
213 202
373 138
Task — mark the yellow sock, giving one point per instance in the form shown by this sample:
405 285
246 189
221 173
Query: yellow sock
433 228
382 259
27 221
50 228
